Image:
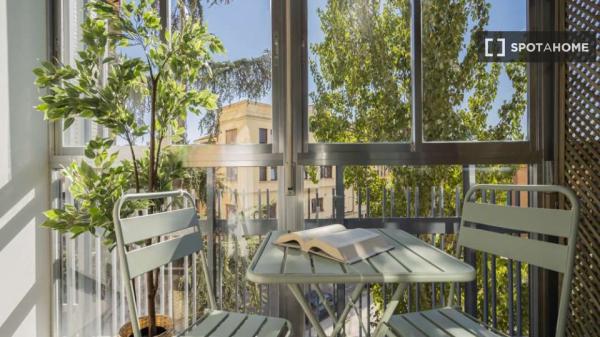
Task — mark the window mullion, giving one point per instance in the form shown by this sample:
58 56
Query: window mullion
417 77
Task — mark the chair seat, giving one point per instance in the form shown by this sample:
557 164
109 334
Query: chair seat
230 324
445 322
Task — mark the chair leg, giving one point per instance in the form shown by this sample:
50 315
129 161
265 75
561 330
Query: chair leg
389 311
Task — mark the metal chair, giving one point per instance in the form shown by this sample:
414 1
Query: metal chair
136 262
552 256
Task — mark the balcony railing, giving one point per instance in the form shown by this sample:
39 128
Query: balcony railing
90 301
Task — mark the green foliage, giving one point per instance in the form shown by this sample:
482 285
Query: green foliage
249 77
96 189
365 96
99 86
110 87
242 78
114 90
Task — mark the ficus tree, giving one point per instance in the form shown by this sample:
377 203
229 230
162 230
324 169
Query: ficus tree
111 85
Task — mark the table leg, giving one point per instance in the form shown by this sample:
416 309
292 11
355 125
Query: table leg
341 320
389 311
359 316
297 292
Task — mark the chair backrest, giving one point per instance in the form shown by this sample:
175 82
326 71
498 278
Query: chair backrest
150 257
499 221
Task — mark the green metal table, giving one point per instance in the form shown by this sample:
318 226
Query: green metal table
410 261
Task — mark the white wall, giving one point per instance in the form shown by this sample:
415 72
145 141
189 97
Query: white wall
4 102
25 282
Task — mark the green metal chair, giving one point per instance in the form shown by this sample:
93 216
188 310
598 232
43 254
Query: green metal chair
136 262
552 256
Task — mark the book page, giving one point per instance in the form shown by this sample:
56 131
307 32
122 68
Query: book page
350 245
296 239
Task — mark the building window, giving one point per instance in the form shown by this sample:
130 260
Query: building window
232 174
316 205
273 173
262 136
231 136
262 173
230 209
272 211
326 172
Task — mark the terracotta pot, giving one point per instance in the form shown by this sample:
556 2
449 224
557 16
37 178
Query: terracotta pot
164 327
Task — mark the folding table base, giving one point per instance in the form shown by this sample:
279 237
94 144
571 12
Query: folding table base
339 321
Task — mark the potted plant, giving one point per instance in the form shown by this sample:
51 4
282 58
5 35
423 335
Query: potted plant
136 79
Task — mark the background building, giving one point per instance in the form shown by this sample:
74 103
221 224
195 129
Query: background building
250 190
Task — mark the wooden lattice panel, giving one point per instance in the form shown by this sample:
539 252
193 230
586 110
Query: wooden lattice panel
581 165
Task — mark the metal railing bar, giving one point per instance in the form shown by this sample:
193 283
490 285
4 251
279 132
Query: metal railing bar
433 239
195 286
383 202
392 201
368 202
360 201
417 201
114 290
519 279
98 272
493 275
510 286
442 241
317 207
484 266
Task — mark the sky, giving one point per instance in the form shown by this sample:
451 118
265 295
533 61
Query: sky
244 26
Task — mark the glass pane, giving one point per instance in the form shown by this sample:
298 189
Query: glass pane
241 76
246 193
82 130
360 73
463 99
319 193
422 201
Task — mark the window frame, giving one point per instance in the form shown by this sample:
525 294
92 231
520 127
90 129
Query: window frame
317 203
262 131
326 171
262 174
231 174
290 147
231 133
290 116
418 151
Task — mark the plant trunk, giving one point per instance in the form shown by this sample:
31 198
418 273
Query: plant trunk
151 303
152 158
151 186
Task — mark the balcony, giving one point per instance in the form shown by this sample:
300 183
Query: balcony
370 114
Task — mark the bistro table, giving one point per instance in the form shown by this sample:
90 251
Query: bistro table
410 261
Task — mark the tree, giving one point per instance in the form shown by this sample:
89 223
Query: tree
111 88
365 95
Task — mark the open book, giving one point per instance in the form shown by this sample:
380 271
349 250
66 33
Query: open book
336 242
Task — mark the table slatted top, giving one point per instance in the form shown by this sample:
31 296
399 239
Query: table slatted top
411 260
